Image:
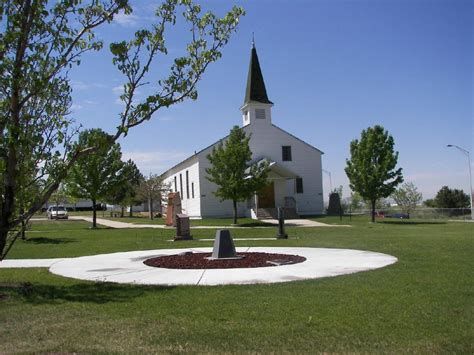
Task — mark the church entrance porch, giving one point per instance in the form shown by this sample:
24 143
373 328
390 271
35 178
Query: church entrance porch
279 192
266 196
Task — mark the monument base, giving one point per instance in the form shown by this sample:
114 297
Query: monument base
237 257
187 237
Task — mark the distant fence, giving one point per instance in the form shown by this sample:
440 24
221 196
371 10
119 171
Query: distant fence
420 213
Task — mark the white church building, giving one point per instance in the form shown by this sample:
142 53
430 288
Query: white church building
295 177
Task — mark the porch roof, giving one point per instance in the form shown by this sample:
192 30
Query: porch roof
277 171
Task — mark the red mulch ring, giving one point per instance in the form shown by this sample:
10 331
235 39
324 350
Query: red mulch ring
199 261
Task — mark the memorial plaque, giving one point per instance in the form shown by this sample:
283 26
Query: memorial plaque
183 228
174 208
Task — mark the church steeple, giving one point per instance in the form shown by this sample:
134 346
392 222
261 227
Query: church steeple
257 107
255 85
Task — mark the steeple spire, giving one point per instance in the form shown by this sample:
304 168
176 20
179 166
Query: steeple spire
255 91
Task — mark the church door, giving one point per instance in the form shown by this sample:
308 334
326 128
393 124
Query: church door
266 196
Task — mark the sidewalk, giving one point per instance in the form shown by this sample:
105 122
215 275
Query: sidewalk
124 225
115 224
302 223
128 267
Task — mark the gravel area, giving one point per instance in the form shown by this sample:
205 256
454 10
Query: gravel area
200 261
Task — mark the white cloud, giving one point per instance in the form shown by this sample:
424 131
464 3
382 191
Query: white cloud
79 85
118 90
155 162
126 20
75 107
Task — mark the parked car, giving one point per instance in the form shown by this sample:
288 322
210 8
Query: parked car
398 215
57 212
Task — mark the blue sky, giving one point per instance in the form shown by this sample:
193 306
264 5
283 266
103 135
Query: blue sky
332 68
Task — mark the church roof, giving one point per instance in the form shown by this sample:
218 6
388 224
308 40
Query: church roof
246 128
255 91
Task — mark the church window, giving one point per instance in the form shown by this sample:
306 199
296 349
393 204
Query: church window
299 185
187 184
246 115
260 113
175 185
286 153
192 189
181 185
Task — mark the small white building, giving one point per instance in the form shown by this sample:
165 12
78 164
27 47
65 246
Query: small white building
295 178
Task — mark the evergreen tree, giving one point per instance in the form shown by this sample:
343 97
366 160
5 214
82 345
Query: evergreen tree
451 198
231 171
371 168
335 202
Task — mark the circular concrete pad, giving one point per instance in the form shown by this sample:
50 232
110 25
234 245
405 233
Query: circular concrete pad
128 267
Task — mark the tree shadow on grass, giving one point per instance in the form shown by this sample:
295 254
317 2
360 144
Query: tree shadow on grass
411 223
99 293
45 240
256 224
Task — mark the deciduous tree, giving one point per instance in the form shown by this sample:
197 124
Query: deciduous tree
125 192
430 203
372 167
356 201
152 189
40 43
407 197
231 171
96 176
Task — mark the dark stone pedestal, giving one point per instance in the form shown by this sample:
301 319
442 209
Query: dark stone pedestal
224 246
281 224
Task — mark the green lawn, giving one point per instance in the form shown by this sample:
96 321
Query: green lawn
220 222
422 304
142 219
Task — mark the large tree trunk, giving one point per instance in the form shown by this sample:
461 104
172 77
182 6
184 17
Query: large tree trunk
122 211
94 214
130 213
234 203
11 157
150 207
23 224
3 236
373 210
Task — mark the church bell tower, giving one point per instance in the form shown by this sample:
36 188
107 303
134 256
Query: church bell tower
257 107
